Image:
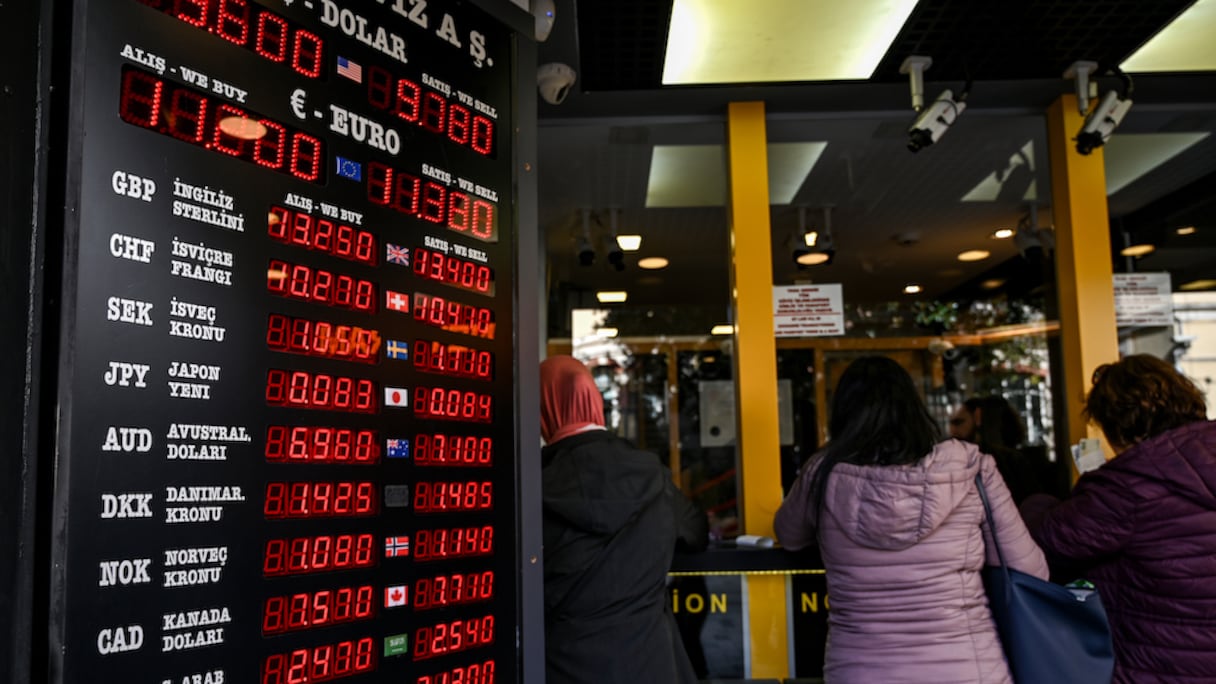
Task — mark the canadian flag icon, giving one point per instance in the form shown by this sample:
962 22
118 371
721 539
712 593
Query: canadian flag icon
394 596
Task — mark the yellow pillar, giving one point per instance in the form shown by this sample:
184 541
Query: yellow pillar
755 356
1084 277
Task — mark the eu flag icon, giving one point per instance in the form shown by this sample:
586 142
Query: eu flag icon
348 168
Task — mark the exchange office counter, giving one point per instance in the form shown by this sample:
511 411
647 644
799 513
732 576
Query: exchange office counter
707 591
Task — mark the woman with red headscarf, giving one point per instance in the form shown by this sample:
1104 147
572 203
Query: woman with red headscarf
612 518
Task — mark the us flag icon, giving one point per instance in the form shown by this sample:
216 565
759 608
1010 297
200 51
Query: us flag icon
395 596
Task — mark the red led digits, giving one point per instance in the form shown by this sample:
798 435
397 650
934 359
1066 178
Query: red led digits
252 27
320 663
282 614
321 234
431 110
454 271
453 359
316 444
321 338
151 102
457 542
452 637
476 673
451 316
441 591
448 497
301 389
430 201
446 404
324 553
453 450
285 500
319 286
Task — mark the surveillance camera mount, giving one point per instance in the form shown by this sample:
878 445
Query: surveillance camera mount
1080 71
915 67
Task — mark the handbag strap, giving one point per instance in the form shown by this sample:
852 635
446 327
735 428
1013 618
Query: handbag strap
979 484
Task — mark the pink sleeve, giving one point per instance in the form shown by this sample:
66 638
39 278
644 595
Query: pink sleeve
794 523
1021 553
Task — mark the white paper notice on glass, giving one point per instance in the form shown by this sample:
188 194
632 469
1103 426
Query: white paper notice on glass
808 310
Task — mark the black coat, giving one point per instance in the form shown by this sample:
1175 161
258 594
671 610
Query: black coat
612 517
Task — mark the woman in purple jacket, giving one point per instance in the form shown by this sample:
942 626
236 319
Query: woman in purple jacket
900 528
1143 526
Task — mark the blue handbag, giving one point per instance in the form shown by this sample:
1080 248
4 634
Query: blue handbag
1050 633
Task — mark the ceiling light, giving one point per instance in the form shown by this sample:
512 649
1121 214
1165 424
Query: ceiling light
811 238
652 263
912 288
1198 285
629 243
1137 250
1185 44
974 255
735 42
992 284
722 329
611 296
1003 233
1186 230
242 128
606 332
814 258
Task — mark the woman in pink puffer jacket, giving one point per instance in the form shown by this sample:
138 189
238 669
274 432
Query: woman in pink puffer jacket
900 527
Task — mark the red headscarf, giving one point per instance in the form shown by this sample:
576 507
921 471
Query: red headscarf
569 399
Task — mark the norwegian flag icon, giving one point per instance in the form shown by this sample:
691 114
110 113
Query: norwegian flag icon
395 596
396 546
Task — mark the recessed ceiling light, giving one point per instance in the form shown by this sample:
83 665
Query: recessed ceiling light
992 284
1198 285
722 329
735 42
1137 250
611 296
912 288
813 258
1186 230
629 243
1003 233
1185 44
974 255
606 332
652 263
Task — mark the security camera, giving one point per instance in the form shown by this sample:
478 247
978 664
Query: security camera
586 253
545 16
554 80
616 257
1102 122
932 123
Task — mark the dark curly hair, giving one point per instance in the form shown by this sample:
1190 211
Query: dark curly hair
1140 397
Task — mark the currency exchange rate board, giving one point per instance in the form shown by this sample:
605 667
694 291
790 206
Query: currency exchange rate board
286 422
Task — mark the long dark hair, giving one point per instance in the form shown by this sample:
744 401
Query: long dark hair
878 418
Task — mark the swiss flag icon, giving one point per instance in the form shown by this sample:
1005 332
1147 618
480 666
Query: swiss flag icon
394 596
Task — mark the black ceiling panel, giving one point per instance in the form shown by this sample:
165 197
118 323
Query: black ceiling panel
1005 40
621 42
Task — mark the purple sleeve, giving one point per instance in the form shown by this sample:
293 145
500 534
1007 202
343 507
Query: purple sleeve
794 523
1021 552
1097 520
